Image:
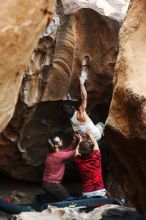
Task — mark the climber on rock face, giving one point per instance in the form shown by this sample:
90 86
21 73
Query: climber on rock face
79 118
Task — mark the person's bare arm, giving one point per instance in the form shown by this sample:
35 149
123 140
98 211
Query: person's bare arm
83 78
77 148
76 139
83 105
77 151
94 142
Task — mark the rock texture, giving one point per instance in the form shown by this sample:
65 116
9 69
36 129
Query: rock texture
21 23
114 9
95 38
126 123
62 69
56 62
53 71
106 212
72 43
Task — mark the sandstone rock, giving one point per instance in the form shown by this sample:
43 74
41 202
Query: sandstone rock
126 123
72 44
33 124
106 212
20 26
69 51
94 37
4 216
54 70
114 9
35 77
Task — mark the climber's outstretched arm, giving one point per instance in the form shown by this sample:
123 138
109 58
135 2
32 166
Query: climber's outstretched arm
83 97
83 78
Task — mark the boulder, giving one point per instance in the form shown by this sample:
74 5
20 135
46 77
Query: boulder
53 72
106 212
126 123
21 23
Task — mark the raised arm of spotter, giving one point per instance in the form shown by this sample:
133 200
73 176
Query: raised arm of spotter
94 142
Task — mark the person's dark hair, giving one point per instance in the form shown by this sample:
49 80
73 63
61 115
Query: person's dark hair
85 149
51 146
59 134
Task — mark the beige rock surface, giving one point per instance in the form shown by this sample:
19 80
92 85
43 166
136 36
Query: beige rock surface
54 68
83 33
126 123
21 23
71 43
102 213
114 9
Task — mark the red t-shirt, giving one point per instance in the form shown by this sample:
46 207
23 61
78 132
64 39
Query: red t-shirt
90 171
54 165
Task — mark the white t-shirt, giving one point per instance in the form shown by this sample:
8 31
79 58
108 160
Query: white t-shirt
82 127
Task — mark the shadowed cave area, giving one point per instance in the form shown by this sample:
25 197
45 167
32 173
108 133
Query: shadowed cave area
29 173
49 118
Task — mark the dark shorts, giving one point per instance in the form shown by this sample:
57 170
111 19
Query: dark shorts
56 191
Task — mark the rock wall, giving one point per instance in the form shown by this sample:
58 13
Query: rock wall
100 213
126 123
95 38
53 72
58 64
113 9
54 69
21 23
